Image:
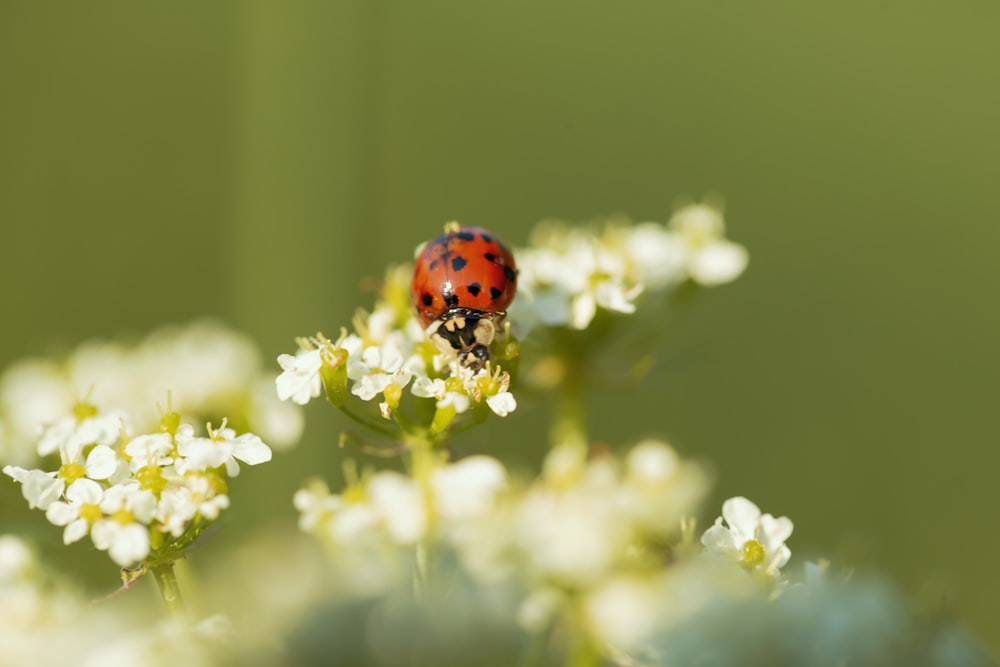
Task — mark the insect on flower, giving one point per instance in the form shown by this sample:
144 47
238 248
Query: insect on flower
463 282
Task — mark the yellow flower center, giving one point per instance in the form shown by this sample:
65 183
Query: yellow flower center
151 477
753 554
90 512
170 422
393 393
72 472
354 494
84 410
123 516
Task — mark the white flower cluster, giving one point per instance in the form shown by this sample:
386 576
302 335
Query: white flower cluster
134 495
608 540
389 352
208 370
567 274
388 509
45 623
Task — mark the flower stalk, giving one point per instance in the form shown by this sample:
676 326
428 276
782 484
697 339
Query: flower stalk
166 583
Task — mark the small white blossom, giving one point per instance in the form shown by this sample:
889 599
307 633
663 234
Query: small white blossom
502 403
299 380
756 541
658 256
153 449
33 392
222 448
124 533
38 487
17 560
712 260
574 532
400 505
69 436
623 610
80 509
468 488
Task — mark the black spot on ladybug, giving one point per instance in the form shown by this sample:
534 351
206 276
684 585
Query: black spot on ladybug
509 273
490 257
495 293
487 238
458 263
433 264
465 236
427 299
474 289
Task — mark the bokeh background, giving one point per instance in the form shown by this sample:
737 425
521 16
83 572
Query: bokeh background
262 162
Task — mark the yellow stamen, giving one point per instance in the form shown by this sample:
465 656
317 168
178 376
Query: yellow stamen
753 554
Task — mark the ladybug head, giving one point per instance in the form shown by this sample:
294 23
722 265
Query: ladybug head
466 334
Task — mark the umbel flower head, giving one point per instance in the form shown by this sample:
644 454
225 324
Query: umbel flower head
141 497
570 274
209 370
387 374
565 279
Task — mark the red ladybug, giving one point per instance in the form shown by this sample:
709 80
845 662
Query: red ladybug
463 282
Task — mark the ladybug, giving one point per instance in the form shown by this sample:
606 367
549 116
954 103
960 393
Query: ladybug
463 282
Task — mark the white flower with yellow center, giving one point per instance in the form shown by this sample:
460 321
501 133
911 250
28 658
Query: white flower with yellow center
377 369
80 510
153 449
123 533
755 540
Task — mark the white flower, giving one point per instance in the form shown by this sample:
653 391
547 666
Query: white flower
69 435
17 560
179 505
623 611
299 380
754 540
33 392
574 533
222 447
279 423
712 260
502 403
468 488
400 505
104 463
376 369
315 504
124 533
153 449
426 387
79 511
658 256
38 487
565 279
660 489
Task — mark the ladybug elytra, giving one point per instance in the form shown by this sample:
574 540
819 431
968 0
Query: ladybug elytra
463 282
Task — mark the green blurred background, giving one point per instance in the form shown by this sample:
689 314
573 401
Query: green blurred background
260 161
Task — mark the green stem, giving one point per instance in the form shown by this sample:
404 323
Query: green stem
424 459
570 424
378 428
166 581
